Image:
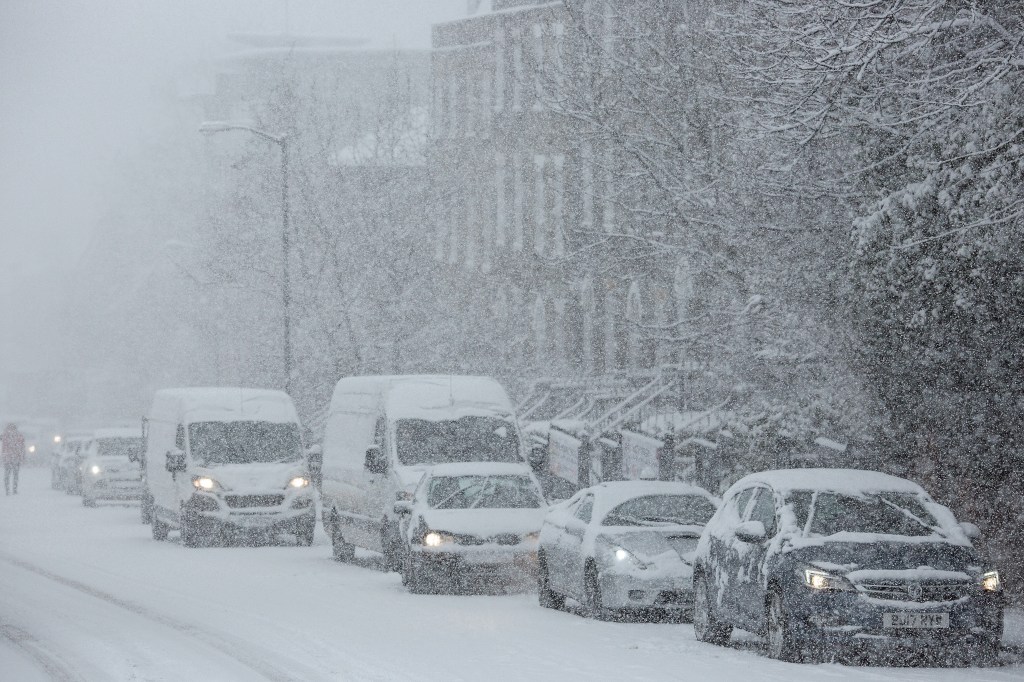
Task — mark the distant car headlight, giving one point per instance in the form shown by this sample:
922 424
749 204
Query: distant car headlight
990 582
31 449
434 539
95 470
823 581
204 483
298 482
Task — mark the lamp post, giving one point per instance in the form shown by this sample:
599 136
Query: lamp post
212 127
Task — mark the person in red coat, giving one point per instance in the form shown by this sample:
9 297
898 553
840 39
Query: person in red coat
12 451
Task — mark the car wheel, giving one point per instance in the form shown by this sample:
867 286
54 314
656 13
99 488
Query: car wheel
343 551
389 545
304 533
88 501
780 642
592 593
546 597
706 625
416 578
159 529
146 508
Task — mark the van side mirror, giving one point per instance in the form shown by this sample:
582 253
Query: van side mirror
375 462
402 508
175 461
751 531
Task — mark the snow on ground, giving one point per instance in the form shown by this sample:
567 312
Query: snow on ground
86 594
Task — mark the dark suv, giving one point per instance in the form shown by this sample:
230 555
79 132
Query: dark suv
821 559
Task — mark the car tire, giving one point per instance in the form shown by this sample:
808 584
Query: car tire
546 597
88 501
389 545
146 508
706 625
594 600
342 550
416 578
780 642
159 529
304 533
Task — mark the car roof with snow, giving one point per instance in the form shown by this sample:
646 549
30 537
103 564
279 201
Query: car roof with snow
118 432
227 404
479 469
611 494
849 481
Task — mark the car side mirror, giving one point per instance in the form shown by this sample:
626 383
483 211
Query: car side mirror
175 461
537 458
403 508
375 462
751 531
970 530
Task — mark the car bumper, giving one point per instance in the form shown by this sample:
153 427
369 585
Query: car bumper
112 488
848 619
478 560
629 591
292 512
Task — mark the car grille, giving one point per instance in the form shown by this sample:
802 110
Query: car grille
238 501
673 598
507 539
501 539
899 590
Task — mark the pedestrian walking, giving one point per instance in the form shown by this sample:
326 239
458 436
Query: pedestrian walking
12 451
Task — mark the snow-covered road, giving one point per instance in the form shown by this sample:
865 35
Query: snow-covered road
85 594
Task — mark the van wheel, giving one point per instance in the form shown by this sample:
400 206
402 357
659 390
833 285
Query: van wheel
304 533
191 530
706 625
159 529
88 501
343 551
416 578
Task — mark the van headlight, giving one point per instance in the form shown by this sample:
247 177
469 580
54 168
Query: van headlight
823 581
434 539
298 482
205 483
990 582
95 470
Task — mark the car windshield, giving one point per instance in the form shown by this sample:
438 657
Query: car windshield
468 439
244 442
118 447
660 510
886 513
483 492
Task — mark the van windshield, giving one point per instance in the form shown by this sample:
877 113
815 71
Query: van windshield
118 447
244 442
468 439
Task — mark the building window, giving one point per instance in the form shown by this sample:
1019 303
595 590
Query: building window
539 205
558 206
499 68
608 207
485 104
540 328
500 208
634 318
518 202
587 185
517 76
588 311
472 230
538 67
453 108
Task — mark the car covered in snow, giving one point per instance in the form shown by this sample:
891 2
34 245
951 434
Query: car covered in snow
69 465
383 432
223 462
470 523
827 560
624 546
108 469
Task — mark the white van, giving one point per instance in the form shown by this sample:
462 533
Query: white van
383 432
227 459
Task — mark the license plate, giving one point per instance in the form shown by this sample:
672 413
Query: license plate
917 621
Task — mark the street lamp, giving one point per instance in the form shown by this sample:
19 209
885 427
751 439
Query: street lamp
212 127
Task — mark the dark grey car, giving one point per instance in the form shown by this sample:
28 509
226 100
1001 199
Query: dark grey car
819 560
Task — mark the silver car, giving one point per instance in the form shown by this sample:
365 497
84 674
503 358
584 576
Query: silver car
624 546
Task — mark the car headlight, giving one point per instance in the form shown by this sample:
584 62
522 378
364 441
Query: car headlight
298 482
823 581
434 539
205 483
990 582
95 470
621 556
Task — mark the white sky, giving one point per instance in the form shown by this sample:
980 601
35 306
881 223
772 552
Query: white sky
77 86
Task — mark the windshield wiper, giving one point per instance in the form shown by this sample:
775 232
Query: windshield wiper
911 515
